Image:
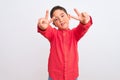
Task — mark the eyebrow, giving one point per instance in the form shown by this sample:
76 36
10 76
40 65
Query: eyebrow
60 15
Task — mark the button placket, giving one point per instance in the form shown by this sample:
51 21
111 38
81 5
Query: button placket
65 54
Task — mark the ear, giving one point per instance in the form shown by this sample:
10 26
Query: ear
69 16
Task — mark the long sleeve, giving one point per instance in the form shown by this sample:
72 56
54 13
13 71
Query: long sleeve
46 33
81 29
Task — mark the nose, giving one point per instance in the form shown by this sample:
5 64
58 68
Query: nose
60 19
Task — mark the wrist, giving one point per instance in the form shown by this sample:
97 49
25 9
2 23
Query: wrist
85 21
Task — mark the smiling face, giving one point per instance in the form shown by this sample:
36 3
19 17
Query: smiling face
61 19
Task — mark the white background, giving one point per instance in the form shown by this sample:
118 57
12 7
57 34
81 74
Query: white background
24 52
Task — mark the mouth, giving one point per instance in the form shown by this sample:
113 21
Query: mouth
62 24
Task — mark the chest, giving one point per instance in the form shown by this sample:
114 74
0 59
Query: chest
64 38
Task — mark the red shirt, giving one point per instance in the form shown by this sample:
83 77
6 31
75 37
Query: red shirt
63 58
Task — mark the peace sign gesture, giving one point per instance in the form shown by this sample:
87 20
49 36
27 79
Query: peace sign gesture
82 17
43 23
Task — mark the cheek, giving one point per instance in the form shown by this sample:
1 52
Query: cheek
56 24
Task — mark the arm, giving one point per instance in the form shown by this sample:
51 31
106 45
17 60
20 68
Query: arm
44 27
85 23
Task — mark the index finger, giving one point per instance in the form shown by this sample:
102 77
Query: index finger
77 12
74 17
47 14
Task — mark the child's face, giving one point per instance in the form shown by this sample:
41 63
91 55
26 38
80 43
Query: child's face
61 19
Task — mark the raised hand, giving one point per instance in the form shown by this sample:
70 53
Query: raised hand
82 17
43 23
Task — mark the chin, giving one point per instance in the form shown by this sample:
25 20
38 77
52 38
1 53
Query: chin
65 28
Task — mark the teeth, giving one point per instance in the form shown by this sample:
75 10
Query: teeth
62 24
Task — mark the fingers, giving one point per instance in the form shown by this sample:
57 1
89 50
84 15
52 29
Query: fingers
77 12
83 14
47 14
74 17
44 22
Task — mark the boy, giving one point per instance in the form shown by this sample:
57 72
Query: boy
63 58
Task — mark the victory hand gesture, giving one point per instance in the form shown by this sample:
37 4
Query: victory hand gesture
82 17
43 23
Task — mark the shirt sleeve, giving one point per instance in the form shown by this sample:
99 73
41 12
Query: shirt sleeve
46 33
81 29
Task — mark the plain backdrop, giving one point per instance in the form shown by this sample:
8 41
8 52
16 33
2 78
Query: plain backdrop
24 52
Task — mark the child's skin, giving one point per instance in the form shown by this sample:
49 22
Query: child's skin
61 20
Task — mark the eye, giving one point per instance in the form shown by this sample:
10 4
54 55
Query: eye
62 15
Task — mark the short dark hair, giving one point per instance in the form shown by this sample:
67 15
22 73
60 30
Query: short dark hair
56 8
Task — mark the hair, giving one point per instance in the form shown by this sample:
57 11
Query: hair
56 8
